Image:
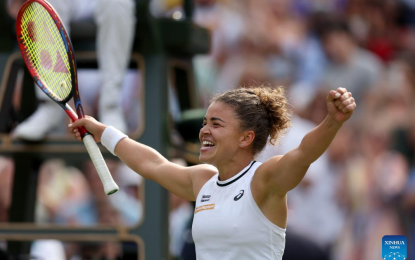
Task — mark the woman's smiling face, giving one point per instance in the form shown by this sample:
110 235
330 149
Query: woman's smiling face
219 135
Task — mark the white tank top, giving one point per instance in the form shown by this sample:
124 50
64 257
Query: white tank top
228 224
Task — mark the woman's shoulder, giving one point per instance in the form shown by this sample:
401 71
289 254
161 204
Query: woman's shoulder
270 162
201 174
204 171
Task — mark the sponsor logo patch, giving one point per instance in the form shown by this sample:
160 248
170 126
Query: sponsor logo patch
205 198
204 207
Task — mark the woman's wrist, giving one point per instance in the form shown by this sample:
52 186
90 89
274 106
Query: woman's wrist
110 138
333 123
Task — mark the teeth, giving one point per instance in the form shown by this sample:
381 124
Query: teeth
207 143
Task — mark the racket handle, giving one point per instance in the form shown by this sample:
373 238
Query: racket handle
110 186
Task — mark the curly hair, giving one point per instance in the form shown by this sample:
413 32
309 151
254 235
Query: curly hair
263 110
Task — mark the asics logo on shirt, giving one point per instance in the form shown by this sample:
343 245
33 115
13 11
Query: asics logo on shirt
240 194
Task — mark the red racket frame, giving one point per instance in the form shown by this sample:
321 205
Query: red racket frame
72 64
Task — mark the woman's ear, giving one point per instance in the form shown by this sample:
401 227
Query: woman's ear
247 138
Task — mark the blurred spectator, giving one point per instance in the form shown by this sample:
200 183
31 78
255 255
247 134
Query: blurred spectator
48 249
301 50
89 81
126 208
115 21
349 66
374 24
64 196
401 92
242 47
127 199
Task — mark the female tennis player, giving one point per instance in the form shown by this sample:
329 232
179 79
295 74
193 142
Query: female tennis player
241 205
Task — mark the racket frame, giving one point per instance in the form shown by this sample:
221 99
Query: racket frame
71 58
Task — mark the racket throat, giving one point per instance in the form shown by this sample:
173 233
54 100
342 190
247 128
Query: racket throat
83 132
80 111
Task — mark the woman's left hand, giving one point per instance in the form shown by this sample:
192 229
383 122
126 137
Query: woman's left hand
340 105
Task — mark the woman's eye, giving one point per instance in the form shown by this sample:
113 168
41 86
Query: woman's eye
214 124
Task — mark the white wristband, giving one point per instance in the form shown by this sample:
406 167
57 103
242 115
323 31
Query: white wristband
110 138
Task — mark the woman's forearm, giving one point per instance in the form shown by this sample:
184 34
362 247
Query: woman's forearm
316 142
139 157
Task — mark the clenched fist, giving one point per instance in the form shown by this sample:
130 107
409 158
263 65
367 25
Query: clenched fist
340 105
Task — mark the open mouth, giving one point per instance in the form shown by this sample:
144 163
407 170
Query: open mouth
207 144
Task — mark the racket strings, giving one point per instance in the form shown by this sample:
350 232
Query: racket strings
46 51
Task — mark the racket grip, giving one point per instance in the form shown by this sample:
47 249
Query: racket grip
110 186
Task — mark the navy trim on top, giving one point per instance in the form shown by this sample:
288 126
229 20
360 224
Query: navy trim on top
240 176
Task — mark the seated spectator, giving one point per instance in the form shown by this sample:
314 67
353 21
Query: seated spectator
349 66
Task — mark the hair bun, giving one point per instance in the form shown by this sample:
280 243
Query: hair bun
275 103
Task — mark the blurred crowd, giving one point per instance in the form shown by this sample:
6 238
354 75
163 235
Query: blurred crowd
361 189
74 197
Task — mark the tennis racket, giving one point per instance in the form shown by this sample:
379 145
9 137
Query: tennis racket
47 51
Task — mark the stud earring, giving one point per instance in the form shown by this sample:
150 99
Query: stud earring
241 145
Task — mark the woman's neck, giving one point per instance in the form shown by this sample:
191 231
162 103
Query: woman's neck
230 169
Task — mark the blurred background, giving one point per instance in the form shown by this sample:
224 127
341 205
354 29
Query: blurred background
361 189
